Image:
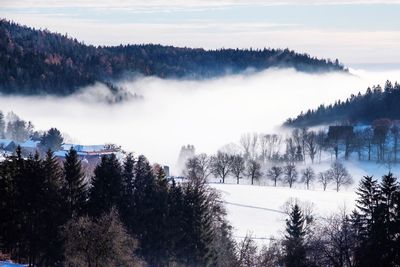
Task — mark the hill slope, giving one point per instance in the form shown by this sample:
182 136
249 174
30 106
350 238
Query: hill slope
376 103
41 62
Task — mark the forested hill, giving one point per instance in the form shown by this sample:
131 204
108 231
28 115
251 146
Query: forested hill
376 103
41 62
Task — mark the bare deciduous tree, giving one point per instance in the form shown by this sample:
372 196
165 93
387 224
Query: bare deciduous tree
339 174
290 174
198 167
274 173
101 242
274 144
263 147
368 138
245 143
324 178
191 168
322 141
270 255
311 145
220 165
204 168
308 175
291 149
237 167
334 242
247 252
253 170
249 143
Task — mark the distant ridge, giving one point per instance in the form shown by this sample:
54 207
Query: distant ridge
38 62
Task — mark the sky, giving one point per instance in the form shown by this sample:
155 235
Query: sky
357 32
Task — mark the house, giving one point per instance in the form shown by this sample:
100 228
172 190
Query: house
7 145
89 154
29 146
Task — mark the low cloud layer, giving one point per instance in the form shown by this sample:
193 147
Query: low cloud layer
207 114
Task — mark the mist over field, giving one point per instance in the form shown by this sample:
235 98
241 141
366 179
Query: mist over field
207 114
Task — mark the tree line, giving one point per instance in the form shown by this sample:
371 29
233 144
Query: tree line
125 214
289 158
223 165
41 62
376 103
260 157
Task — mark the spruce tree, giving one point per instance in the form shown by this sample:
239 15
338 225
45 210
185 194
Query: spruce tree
52 139
294 244
32 207
397 228
156 242
198 225
74 185
366 222
367 203
225 245
8 209
2 125
126 209
53 216
387 220
150 201
143 180
175 232
106 190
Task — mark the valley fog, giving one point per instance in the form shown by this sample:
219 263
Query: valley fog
206 114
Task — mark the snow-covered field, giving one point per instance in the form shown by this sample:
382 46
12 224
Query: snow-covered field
259 209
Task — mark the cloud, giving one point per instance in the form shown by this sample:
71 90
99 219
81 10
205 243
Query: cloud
207 114
175 4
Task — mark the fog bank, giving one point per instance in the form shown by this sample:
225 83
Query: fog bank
207 114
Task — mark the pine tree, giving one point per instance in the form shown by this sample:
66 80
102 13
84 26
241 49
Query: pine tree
294 244
106 190
74 186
